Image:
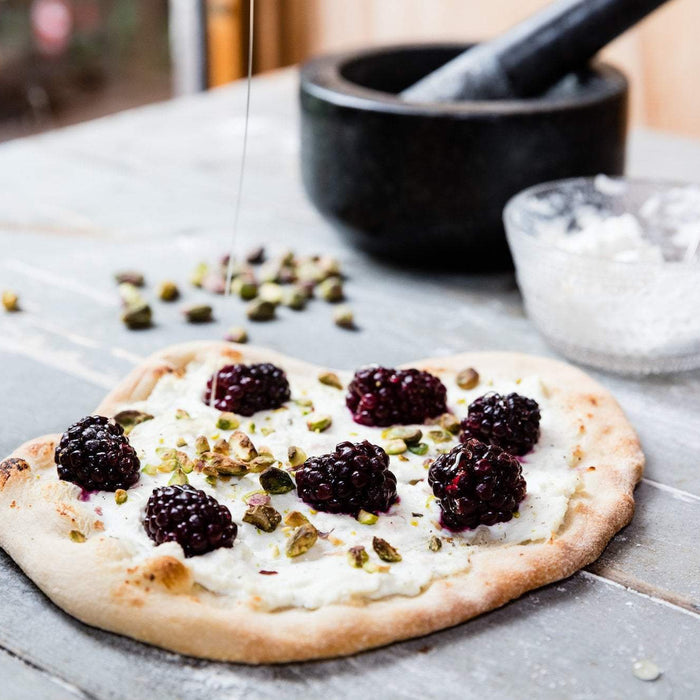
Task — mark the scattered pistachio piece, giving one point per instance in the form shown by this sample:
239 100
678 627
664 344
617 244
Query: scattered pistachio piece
272 292
242 446
304 402
213 463
295 297
296 456
320 423
344 317
10 300
260 310
137 316
420 449
264 517
295 519
181 414
410 436
227 421
130 295
201 444
130 277
467 378
211 480
365 518
385 551
244 287
357 556
439 435
130 418
261 463
198 313
449 422
168 291
179 478
255 256
256 498
120 496
395 447
435 544
275 481
330 379
77 536
181 442
331 290
150 469
236 334
198 274
302 539
222 447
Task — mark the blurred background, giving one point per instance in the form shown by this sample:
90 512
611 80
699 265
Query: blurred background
66 61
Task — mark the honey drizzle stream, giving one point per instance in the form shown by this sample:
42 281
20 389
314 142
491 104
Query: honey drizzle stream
237 209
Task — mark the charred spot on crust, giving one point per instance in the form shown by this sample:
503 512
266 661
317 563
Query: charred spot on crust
10 465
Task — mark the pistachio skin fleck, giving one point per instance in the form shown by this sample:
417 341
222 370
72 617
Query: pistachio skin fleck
357 556
264 517
168 291
77 536
10 301
302 539
276 481
467 378
385 551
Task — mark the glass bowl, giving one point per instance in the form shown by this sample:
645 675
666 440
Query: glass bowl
609 270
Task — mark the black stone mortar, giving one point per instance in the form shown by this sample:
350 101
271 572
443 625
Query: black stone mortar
427 183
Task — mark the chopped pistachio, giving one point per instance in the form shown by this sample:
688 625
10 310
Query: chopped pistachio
344 317
222 447
318 424
168 291
227 421
295 519
77 536
329 266
366 518
10 300
385 551
296 456
310 271
179 478
181 414
201 444
395 447
130 418
331 290
275 481
410 436
260 310
264 517
215 282
435 544
357 556
242 446
467 378
130 277
420 449
221 465
261 463
306 403
257 498
198 274
270 271
302 539
295 297
439 435
137 316
244 287
130 295
272 292
150 469
267 430
211 480
120 496
449 422
198 313
330 379
236 334
181 442
255 256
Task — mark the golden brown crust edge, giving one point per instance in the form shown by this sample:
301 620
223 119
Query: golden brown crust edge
156 602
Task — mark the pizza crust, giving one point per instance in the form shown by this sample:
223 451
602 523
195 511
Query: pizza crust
158 602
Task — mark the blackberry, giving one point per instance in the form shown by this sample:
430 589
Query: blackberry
355 477
476 484
95 454
188 516
384 396
246 389
512 422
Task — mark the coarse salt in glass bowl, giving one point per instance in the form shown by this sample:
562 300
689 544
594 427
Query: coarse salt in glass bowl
609 270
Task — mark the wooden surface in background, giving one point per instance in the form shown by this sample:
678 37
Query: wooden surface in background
661 56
